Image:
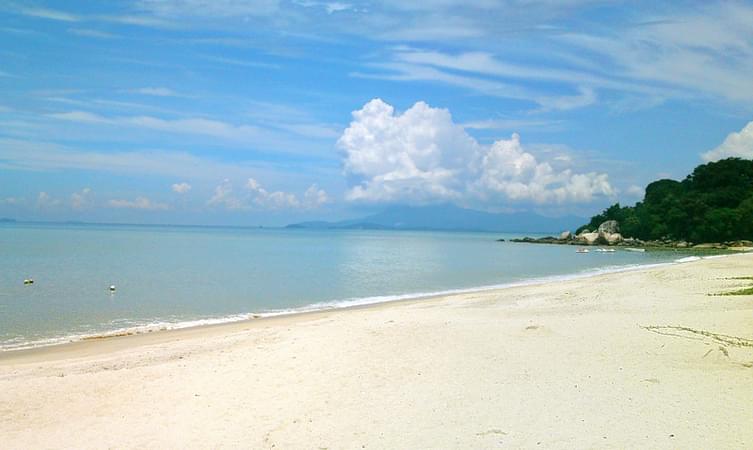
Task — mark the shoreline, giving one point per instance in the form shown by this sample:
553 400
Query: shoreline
642 358
123 339
334 305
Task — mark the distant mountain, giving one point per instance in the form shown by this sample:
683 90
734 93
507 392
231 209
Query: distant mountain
450 218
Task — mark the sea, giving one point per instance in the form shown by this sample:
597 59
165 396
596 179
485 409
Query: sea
167 277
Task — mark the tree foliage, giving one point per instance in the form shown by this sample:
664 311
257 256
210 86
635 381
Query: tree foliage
712 204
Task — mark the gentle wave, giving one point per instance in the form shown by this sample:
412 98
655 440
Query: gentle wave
162 325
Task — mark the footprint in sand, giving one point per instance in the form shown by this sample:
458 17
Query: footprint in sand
537 330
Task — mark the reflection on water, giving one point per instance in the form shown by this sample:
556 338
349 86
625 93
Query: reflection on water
173 274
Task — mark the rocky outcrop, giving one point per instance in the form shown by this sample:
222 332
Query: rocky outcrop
610 227
589 238
609 234
610 238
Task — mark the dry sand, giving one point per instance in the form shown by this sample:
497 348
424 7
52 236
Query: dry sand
644 359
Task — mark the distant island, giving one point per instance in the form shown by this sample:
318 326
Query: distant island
448 218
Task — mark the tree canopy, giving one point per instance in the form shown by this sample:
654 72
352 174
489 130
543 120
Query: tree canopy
712 204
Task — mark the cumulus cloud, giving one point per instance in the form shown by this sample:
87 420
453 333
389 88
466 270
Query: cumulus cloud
140 203
181 188
80 200
422 156
416 155
45 200
739 144
508 170
254 196
315 197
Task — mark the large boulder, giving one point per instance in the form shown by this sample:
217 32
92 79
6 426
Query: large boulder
610 226
589 238
610 238
609 233
566 236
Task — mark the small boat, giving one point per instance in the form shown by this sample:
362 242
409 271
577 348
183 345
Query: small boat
29 281
581 250
631 249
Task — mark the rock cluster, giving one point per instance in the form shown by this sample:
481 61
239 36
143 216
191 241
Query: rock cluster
608 234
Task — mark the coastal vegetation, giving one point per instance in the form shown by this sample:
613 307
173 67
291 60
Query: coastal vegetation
712 204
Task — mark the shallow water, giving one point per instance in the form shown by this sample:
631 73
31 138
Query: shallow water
178 276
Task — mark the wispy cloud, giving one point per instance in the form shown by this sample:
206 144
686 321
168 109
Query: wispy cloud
88 32
706 53
19 154
63 16
497 88
240 62
156 91
514 124
51 14
142 203
201 126
208 8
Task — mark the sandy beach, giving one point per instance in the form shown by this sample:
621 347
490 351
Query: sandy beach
643 359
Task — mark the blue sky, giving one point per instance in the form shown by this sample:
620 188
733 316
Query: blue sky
267 112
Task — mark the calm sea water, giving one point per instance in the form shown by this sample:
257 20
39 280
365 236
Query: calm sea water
177 276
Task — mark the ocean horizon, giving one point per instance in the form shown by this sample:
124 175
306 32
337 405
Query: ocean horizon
168 277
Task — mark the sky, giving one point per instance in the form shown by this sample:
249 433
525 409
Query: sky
230 112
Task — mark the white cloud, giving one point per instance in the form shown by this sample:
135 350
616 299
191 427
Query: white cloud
413 156
399 71
44 156
508 170
635 191
44 200
181 188
201 126
513 124
11 201
223 196
140 203
80 200
289 137
87 32
330 7
421 156
270 200
739 144
707 51
209 8
51 14
315 197
156 91
254 196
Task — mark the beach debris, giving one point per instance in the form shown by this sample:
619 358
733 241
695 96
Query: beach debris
29 281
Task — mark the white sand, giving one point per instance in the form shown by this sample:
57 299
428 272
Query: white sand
567 365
